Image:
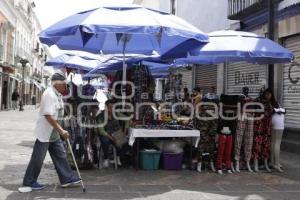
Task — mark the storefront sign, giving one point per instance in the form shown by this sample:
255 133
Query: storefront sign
242 74
242 78
250 79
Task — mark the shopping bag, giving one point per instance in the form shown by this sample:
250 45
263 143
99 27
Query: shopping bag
120 138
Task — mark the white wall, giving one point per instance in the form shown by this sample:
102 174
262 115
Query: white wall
207 15
153 4
165 6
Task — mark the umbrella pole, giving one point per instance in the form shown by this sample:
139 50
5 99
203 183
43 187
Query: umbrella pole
124 80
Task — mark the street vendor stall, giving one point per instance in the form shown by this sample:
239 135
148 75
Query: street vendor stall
134 31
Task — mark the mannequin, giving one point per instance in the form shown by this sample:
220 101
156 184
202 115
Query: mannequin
224 150
262 132
207 145
244 134
277 131
228 118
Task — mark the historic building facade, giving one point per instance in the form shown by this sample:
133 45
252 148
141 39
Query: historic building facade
19 27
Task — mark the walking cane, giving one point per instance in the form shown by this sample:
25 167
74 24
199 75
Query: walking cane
74 160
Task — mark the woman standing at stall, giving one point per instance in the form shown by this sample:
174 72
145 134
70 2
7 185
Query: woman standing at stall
263 130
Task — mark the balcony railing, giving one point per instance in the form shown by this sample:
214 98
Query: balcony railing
237 9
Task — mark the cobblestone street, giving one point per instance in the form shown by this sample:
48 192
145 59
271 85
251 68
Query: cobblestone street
16 140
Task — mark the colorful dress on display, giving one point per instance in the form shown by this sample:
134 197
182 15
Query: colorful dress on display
262 133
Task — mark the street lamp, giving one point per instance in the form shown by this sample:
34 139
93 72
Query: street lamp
23 63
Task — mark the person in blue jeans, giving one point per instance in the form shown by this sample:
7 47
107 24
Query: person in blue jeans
48 132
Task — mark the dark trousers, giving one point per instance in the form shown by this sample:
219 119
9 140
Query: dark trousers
58 156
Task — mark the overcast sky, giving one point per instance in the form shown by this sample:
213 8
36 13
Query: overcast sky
51 11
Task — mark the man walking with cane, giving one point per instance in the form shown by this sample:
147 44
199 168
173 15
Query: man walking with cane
48 132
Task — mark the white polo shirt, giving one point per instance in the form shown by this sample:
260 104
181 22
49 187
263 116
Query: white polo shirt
51 104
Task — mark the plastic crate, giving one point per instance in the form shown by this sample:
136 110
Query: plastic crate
149 160
172 161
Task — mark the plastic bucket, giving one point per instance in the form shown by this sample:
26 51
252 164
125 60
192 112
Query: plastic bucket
172 161
149 160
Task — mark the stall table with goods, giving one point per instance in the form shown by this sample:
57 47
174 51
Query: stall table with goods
162 131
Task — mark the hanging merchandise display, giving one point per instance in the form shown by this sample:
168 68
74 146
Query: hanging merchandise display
82 138
173 87
78 124
144 87
178 80
144 84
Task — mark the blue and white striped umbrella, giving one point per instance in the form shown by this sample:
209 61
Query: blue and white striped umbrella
78 62
123 29
236 46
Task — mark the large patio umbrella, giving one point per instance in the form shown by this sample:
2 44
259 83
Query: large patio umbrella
116 64
123 30
236 46
78 62
156 66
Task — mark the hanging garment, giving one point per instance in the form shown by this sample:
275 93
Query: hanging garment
224 152
82 145
229 108
74 90
88 90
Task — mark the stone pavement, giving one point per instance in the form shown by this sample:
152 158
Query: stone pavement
16 140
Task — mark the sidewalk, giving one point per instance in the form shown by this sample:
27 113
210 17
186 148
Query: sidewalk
16 140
